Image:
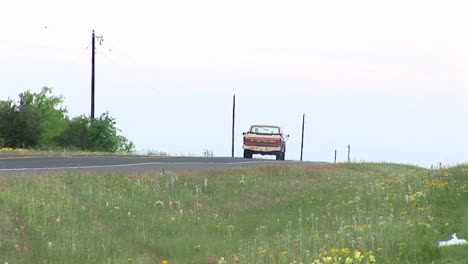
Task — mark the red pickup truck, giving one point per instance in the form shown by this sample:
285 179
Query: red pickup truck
265 140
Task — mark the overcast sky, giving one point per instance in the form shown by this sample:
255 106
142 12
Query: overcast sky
390 78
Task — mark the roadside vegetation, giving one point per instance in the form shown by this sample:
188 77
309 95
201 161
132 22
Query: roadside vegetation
344 213
40 121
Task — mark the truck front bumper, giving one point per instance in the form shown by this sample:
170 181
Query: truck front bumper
262 149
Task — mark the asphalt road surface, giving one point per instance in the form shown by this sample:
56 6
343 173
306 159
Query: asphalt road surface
26 163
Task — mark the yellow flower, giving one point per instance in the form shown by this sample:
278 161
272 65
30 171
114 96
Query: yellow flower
357 255
317 261
371 259
334 251
284 252
349 260
165 262
379 249
263 251
346 251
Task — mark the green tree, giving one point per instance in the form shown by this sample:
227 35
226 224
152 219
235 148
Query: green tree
104 135
8 116
75 134
51 114
100 134
40 121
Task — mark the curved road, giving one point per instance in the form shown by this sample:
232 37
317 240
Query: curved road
21 163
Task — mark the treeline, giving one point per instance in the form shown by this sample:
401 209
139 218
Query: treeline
40 121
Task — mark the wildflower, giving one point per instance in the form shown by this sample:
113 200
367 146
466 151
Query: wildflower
49 244
323 252
284 252
327 259
349 260
174 204
371 259
317 261
130 260
379 249
334 251
263 251
242 181
16 248
26 246
357 255
222 261
230 228
346 251
402 244
438 184
165 262
297 246
359 240
199 206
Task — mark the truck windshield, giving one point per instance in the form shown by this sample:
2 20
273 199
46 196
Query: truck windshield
265 130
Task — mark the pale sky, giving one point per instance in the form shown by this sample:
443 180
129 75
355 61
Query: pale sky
388 77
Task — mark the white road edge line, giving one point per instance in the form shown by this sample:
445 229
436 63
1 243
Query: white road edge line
138 164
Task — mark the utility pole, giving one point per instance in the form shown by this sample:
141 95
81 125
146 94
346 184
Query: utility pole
302 141
335 156
233 123
92 76
93 51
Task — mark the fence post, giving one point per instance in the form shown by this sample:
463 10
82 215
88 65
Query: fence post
349 151
302 141
233 123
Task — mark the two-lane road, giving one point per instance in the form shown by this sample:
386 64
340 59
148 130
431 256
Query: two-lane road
13 163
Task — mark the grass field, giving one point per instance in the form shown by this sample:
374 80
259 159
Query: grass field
344 213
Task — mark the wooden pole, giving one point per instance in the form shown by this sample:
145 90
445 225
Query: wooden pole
302 141
335 156
349 151
233 123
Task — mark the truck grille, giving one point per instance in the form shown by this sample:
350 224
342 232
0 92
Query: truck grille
264 142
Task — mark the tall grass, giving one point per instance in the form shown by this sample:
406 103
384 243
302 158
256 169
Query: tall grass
345 213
